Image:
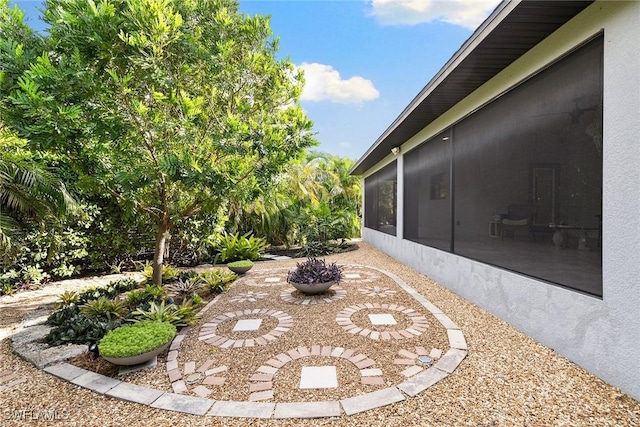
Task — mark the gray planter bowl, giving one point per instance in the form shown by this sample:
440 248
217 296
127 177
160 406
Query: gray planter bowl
314 288
138 359
240 270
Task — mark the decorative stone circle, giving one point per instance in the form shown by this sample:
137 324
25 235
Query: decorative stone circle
355 274
249 296
417 360
192 376
208 330
261 382
267 278
195 380
334 294
420 323
377 291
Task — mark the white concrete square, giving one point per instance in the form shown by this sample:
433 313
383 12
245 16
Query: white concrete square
318 377
382 319
352 276
272 279
247 325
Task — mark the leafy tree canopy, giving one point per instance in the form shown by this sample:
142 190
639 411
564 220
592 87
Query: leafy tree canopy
166 105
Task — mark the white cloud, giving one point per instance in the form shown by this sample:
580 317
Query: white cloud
466 13
323 83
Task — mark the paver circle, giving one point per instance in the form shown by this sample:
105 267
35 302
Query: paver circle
358 274
266 278
261 383
419 322
208 331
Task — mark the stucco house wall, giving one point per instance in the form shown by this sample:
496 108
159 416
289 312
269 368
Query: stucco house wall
600 334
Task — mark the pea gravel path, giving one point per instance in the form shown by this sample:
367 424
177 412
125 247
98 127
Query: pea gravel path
507 379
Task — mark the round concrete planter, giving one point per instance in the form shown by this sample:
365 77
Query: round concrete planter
138 359
314 288
239 270
240 267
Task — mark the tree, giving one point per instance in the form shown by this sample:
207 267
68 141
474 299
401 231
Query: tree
315 198
27 188
166 105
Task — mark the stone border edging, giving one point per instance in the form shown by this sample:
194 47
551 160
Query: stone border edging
200 406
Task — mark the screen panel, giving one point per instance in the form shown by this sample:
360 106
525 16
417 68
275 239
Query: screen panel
380 199
427 193
528 175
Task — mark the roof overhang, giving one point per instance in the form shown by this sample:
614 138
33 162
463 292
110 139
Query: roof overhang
511 30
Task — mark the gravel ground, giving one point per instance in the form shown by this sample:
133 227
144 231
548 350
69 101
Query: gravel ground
507 379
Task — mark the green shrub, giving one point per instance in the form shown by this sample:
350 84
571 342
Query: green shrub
126 284
7 289
34 275
65 299
154 292
313 249
59 250
183 289
135 339
9 282
217 280
187 275
182 315
238 247
168 272
72 327
145 295
110 291
104 309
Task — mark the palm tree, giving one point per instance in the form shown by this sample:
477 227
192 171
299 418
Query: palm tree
316 184
27 190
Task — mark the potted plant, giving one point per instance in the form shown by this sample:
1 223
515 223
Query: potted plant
314 276
136 343
240 267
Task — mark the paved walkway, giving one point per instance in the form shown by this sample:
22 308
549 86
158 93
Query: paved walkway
424 367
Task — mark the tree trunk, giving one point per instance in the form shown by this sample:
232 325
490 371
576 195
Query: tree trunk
158 256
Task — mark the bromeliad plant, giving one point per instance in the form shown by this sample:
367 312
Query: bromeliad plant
184 290
236 247
314 271
178 315
217 280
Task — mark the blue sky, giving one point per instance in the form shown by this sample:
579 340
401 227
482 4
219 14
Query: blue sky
364 60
